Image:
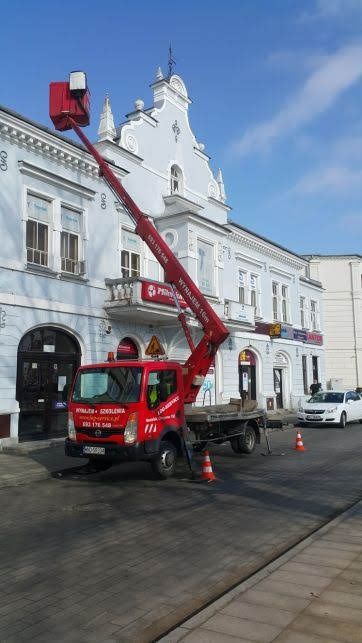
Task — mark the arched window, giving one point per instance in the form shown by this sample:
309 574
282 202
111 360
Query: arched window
176 180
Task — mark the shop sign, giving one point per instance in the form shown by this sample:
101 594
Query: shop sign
315 338
275 330
299 335
160 294
286 332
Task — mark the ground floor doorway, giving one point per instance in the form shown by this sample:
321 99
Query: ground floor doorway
278 387
247 375
47 361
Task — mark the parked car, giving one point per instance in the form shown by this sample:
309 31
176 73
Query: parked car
332 407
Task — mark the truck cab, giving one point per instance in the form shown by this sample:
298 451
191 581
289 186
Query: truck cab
127 410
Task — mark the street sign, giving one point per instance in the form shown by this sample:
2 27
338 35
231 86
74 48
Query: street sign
155 348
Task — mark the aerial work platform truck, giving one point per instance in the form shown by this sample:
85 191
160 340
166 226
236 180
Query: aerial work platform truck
142 410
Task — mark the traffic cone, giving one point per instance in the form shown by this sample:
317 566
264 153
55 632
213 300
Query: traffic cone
299 443
207 472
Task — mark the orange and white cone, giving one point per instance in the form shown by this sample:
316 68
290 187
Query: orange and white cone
207 472
299 446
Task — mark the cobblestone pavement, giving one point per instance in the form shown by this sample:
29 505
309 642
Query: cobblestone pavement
311 594
120 556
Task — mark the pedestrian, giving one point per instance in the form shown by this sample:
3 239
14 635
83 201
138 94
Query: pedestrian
315 387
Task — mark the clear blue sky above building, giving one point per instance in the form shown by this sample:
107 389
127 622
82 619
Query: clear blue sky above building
276 85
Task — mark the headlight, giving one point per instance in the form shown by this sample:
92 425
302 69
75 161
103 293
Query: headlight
72 434
130 432
335 408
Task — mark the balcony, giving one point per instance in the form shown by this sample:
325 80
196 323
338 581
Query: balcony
151 301
236 314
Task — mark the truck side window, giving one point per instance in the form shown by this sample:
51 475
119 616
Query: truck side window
161 384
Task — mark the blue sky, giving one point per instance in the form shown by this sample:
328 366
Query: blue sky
276 85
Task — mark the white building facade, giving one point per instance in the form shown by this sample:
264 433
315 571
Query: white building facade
77 282
341 276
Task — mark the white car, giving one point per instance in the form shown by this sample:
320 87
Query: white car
332 407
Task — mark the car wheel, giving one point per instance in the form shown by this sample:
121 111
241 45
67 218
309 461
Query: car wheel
360 421
165 464
343 420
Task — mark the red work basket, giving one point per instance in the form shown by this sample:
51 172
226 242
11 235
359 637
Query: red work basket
62 105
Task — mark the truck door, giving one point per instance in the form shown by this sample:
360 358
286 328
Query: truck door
163 402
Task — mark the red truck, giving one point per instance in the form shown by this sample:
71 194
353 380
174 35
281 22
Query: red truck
141 410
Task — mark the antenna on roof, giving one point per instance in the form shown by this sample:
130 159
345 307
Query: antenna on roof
171 62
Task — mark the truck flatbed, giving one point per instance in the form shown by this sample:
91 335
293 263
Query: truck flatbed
221 413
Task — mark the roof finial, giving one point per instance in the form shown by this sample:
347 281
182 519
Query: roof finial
106 130
159 74
171 61
220 182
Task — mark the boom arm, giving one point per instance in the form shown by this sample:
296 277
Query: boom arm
215 332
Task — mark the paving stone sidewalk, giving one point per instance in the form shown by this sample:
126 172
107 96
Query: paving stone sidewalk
311 594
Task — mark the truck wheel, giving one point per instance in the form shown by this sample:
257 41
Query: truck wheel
165 464
249 440
97 464
244 443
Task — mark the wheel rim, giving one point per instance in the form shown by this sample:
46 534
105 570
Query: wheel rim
249 439
167 459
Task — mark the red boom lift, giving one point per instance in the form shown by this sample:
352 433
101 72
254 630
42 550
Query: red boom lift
127 410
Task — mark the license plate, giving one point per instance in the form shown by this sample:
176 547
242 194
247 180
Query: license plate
312 417
94 450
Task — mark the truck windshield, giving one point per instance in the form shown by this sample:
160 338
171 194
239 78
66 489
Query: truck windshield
99 385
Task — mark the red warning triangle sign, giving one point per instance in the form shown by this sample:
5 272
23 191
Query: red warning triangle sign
155 348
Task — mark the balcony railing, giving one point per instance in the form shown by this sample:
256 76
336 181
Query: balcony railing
154 303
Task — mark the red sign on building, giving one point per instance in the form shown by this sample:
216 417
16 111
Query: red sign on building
315 338
160 294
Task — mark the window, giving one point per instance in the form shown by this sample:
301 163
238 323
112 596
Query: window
303 313
205 267
242 284
131 254
70 241
275 291
314 315
161 384
305 374
37 230
285 304
37 243
130 264
254 295
176 180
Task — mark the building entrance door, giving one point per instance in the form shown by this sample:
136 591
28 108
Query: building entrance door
278 387
43 383
247 375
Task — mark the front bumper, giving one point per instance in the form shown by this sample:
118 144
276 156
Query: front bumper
321 418
112 452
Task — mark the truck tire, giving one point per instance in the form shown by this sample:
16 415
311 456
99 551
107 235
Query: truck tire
244 443
164 464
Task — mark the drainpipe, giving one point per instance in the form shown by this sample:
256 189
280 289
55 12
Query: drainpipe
355 314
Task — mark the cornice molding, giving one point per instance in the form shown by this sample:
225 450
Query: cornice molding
29 137
40 173
265 249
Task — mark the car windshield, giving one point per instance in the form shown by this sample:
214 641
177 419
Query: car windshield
101 385
327 397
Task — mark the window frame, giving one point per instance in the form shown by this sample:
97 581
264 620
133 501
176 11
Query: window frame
176 176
